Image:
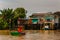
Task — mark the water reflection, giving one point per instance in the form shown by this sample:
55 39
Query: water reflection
35 35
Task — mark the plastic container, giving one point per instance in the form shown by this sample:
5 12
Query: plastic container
46 27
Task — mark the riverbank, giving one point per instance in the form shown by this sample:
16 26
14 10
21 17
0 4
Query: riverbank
7 32
4 32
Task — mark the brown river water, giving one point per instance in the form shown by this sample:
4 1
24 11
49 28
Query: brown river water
35 35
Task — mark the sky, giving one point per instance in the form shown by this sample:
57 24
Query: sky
32 6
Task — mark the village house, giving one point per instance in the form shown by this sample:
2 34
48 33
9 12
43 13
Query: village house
44 19
39 21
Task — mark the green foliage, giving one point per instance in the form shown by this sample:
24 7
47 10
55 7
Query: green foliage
8 15
20 12
3 24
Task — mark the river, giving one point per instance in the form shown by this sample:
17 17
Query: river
35 35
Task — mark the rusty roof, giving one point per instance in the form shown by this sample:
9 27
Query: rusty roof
41 14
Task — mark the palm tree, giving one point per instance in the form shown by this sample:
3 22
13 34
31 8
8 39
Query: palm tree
7 15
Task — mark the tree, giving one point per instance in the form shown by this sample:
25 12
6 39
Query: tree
20 12
7 14
3 24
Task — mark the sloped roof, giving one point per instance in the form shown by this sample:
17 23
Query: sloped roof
41 14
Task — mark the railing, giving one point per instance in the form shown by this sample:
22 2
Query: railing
32 27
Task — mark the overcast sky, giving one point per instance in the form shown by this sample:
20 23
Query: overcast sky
32 6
